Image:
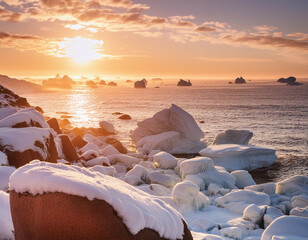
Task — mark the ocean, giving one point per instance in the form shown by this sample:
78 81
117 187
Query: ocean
277 114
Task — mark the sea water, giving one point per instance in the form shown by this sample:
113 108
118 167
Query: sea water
277 114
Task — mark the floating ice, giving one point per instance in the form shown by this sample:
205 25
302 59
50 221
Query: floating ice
293 186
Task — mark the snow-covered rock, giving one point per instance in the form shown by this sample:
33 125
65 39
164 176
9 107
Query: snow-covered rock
242 178
21 145
166 180
254 213
301 212
268 188
172 142
232 232
3 159
110 171
239 157
7 111
293 186
97 161
126 160
270 215
196 180
108 150
137 209
6 224
165 160
107 126
28 117
188 197
233 137
90 154
237 201
5 173
204 168
137 175
287 227
89 146
300 201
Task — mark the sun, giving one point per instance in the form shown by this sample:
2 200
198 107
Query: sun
82 50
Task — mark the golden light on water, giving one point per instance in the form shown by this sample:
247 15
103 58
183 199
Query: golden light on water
82 50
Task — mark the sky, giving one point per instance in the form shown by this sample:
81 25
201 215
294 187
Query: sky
210 39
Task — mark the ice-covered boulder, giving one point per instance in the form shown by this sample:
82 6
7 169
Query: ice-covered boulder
21 145
173 120
6 224
137 175
301 212
270 215
233 137
293 186
108 150
268 188
188 197
172 142
240 157
69 202
242 178
110 171
166 180
300 201
126 160
97 161
232 232
204 168
165 160
254 213
107 126
28 117
287 227
237 201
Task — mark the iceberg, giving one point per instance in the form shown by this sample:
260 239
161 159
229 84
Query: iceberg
240 157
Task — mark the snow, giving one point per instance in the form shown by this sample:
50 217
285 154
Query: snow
90 154
301 212
238 200
165 160
89 146
22 139
137 175
187 197
97 161
110 171
7 111
268 188
232 232
239 157
293 186
300 201
108 150
242 178
107 126
171 142
270 215
196 180
5 173
126 160
287 227
26 115
137 209
204 168
254 213
6 224
163 179
3 159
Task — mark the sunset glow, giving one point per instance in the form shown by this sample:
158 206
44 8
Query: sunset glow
82 50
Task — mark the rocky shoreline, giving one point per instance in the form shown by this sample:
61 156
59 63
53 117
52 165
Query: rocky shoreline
45 162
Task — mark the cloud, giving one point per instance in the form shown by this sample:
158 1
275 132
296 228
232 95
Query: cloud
234 59
205 29
6 15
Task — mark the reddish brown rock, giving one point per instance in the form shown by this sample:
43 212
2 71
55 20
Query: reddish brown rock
125 117
117 144
39 109
18 159
53 123
68 149
62 216
79 142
